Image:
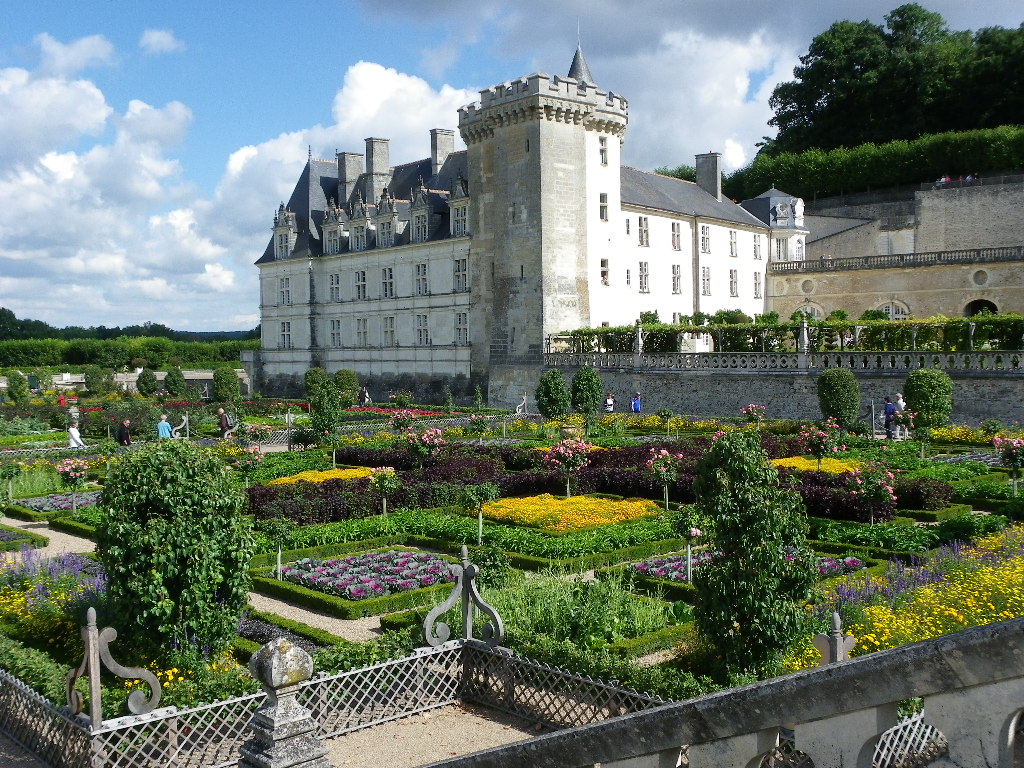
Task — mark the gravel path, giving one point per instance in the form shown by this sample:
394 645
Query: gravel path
60 542
356 630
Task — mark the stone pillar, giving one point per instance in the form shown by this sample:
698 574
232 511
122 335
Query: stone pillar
733 751
283 731
978 722
846 740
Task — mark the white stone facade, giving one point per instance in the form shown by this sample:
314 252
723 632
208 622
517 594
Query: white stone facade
466 260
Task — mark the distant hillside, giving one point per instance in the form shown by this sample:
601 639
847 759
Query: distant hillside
11 328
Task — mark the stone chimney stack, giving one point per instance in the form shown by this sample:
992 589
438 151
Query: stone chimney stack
378 166
442 144
350 166
709 174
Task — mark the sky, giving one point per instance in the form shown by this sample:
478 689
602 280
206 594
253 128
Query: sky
144 146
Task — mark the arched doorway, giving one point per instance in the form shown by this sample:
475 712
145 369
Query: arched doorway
979 305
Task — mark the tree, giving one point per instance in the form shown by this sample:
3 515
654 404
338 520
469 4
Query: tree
17 387
838 395
313 378
552 395
326 406
586 391
99 381
929 395
749 599
174 382
347 383
175 545
226 387
146 383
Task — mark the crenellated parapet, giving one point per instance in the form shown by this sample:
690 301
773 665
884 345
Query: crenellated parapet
543 97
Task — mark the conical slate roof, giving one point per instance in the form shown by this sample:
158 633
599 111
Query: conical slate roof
579 70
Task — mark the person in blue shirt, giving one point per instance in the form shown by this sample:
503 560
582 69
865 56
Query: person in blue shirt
163 428
889 414
636 406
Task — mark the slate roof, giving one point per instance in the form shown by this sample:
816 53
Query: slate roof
579 70
665 193
318 183
820 227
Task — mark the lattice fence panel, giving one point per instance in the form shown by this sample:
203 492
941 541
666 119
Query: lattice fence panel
543 692
909 744
36 724
394 689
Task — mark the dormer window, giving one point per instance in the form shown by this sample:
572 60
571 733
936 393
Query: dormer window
385 234
419 228
284 245
359 237
460 221
332 241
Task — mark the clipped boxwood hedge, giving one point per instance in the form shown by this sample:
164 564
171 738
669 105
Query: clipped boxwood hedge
75 528
19 512
33 540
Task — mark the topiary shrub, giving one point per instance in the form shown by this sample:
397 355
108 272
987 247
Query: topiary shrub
552 395
17 387
175 546
923 493
347 383
313 378
174 382
586 391
749 602
929 394
839 395
146 384
226 387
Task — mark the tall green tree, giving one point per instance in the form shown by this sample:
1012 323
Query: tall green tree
174 382
176 545
929 394
146 383
17 387
838 395
750 598
226 386
586 391
552 395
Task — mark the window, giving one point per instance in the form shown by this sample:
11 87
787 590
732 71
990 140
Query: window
387 332
627 226
781 249
734 282
462 329
422 285
461 281
419 228
360 285
359 238
602 207
757 285
604 271
641 228
286 336
705 281
283 245
333 244
677 238
284 291
705 238
627 277
362 337
757 246
895 310
460 221
386 234
387 283
677 278
422 331
335 286
335 333
734 249
799 255
603 144
645 286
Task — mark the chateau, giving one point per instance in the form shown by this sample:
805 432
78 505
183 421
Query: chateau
454 269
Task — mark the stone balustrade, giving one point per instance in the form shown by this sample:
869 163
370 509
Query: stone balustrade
972 684
896 260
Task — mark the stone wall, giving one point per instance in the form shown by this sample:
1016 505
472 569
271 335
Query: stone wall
790 394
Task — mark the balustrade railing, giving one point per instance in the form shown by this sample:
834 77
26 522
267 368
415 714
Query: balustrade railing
890 261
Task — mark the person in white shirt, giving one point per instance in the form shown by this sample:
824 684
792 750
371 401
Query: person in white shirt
900 407
74 436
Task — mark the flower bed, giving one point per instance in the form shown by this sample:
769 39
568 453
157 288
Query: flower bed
557 514
673 567
828 464
55 502
316 476
373 574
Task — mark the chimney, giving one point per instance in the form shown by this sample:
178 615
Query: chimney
709 174
378 166
442 144
350 165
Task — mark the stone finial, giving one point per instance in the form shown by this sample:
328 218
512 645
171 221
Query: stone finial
283 731
835 646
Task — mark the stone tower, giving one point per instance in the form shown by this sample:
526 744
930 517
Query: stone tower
543 155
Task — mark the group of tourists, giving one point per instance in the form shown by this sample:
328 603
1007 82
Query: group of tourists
892 429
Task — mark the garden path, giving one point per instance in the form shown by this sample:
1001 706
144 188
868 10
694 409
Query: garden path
13 755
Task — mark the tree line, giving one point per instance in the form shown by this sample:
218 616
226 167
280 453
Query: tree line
11 327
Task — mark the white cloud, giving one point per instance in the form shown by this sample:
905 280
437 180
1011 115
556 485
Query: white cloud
157 41
60 60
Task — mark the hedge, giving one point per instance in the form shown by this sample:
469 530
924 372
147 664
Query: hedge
75 528
33 540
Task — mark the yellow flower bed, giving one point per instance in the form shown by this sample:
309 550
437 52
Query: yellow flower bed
556 514
835 466
313 476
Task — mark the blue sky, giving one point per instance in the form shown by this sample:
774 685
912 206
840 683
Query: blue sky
144 146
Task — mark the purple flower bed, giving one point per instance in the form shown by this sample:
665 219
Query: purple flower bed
375 574
673 567
59 501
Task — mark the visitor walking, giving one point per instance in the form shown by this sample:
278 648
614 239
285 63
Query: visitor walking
222 423
636 406
123 434
609 403
74 436
163 428
903 430
888 414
